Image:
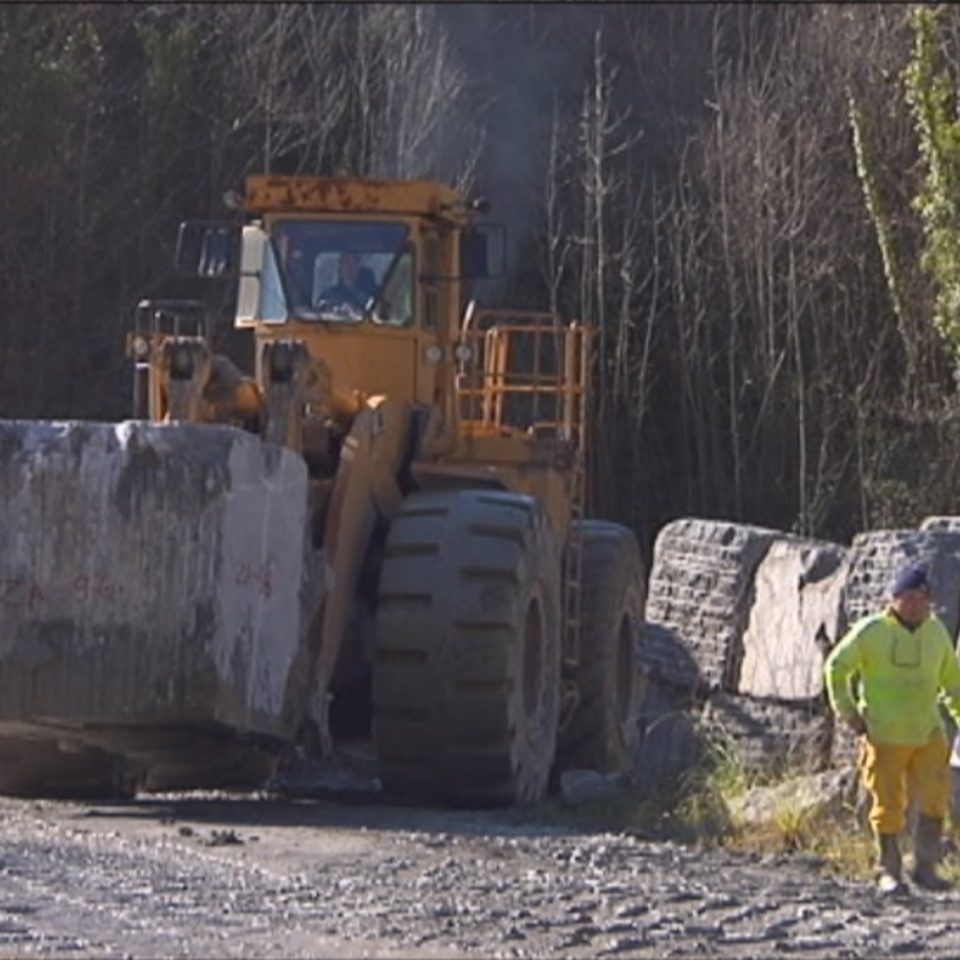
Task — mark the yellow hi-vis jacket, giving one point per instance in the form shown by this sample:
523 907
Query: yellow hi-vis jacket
903 674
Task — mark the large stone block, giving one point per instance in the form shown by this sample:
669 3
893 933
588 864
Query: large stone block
150 575
700 588
844 745
877 555
768 735
666 656
794 620
940 523
819 799
670 743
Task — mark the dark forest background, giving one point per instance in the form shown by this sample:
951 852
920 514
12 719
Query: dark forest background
756 204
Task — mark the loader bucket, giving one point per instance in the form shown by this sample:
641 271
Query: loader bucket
156 584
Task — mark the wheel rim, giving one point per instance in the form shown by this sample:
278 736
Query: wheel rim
625 678
532 659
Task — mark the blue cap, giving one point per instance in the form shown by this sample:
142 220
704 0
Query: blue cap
911 577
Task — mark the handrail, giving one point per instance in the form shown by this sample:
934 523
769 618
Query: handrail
530 376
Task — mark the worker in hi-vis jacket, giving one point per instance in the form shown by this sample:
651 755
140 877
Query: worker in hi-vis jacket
905 663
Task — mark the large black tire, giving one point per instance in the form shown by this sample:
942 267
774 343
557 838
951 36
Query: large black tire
604 732
466 676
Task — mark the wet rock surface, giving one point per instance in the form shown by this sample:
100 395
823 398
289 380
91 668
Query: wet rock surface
208 876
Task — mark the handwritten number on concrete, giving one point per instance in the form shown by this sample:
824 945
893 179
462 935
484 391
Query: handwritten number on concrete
258 576
28 593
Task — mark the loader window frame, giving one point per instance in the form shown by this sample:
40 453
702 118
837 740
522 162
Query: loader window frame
396 305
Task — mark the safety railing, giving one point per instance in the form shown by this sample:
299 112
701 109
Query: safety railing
528 373
523 371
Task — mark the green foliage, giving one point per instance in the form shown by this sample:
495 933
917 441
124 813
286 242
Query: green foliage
756 320
689 810
46 63
910 467
867 163
931 83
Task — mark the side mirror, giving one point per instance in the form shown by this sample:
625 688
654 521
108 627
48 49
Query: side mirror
482 252
206 249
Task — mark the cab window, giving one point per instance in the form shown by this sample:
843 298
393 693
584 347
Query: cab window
273 300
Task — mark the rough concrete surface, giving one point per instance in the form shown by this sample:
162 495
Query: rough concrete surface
940 523
761 734
876 555
167 586
794 619
670 741
700 588
203 876
669 657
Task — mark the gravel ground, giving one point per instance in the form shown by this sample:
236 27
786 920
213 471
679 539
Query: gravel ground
209 876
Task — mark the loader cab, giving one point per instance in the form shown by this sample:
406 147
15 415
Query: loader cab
369 274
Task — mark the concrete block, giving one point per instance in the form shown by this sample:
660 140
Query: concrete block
844 746
794 620
700 588
150 575
940 523
768 735
877 555
667 656
670 743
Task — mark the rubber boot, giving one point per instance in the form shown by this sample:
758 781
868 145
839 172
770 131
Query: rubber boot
891 864
927 841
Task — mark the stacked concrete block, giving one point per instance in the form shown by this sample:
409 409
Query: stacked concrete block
877 555
769 734
745 617
670 738
667 656
844 746
940 523
742 617
794 620
944 523
700 588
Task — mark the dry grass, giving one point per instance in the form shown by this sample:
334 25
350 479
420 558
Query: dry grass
696 808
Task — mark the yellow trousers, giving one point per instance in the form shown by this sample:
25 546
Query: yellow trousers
894 774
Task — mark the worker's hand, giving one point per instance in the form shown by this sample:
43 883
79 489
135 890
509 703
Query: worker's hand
856 723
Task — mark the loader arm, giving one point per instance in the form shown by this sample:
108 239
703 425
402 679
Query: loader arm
294 380
365 488
199 386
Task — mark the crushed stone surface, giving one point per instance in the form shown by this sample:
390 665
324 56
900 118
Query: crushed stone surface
214 876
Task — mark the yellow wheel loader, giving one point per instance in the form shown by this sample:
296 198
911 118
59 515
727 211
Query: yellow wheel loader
378 533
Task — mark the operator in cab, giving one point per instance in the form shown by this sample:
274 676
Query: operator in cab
356 285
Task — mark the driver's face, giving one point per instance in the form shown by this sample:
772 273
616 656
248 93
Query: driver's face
349 268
